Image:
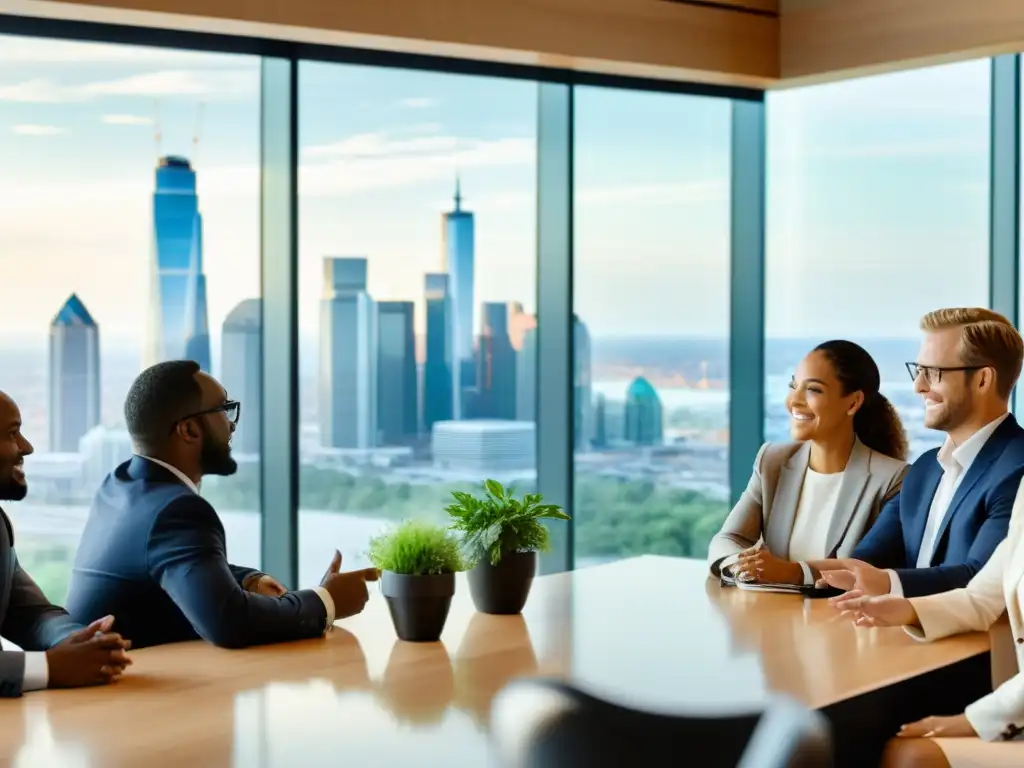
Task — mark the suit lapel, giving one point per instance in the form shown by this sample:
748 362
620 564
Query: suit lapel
6 562
851 490
784 504
991 451
919 517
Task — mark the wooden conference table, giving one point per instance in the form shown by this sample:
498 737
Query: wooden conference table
650 631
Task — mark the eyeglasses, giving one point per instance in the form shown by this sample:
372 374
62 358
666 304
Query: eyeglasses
232 409
933 374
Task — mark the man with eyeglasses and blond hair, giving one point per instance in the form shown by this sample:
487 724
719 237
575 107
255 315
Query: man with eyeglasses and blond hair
955 503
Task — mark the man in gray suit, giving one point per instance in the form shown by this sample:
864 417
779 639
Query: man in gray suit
58 653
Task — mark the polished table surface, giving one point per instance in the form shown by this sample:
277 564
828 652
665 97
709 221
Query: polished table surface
650 632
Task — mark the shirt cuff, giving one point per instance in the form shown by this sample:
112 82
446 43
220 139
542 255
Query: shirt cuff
328 605
808 576
895 585
37 671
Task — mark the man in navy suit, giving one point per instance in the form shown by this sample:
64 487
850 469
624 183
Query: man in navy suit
56 652
955 503
153 551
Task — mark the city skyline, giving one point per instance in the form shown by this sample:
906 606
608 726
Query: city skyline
641 188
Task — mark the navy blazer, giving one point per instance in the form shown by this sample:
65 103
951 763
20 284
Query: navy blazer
976 521
153 556
26 616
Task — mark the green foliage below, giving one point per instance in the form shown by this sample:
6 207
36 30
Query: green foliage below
499 523
417 548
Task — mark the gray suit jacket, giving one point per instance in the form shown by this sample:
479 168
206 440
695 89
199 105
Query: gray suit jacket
767 509
26 616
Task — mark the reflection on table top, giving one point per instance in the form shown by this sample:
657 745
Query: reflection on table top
650 632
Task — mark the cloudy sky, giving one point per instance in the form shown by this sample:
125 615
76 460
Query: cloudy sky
877 189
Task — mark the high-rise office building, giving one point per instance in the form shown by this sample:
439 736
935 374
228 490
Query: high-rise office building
459 258
584 425
74 375
643 417
348 357
496 363
241 357
526 377
441 391
600 422
583 421
178 326
397 402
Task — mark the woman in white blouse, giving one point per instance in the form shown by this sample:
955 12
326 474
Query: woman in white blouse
990 733
816 497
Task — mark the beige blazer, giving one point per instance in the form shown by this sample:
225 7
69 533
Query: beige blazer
767 509
996 589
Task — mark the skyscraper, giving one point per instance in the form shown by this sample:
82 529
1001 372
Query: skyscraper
74 375
397 402
177 318
643 418
526 377
496 363
459 257
348 357
583 421
584 424
240 370
441 391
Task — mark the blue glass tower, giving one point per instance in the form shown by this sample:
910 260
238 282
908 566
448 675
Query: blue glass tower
459 257
74 375
643 413
348 357
397 401
241 355
439 376
496 364
178 321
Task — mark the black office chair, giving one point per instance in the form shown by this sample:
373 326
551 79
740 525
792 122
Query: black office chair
543 723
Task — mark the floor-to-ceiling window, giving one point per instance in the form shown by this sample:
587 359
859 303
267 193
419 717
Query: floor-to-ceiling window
877 213
129 233
417 290
651 285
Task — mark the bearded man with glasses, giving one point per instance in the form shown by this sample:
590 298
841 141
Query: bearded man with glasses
153 551
954 507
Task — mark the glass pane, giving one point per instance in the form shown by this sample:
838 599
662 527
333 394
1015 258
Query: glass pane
877 214
416 300
652 300
131 207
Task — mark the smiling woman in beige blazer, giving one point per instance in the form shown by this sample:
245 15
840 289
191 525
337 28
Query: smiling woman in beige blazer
814 498
990 733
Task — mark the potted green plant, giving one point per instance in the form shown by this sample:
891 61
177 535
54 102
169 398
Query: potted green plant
418 562
501 536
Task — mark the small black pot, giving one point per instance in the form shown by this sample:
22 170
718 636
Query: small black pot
418 604
503 588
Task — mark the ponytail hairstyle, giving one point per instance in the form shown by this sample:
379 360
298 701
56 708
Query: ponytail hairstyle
876 422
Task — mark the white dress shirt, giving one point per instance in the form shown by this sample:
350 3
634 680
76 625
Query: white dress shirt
955 460
819 495
325 596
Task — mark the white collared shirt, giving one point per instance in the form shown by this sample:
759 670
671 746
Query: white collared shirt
325 596
955 460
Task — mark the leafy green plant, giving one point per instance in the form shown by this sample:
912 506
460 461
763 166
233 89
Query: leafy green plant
417 548
499 523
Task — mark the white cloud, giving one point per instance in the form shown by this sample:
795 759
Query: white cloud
377 160
417 102
38 90
127 120
38 130
210 84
